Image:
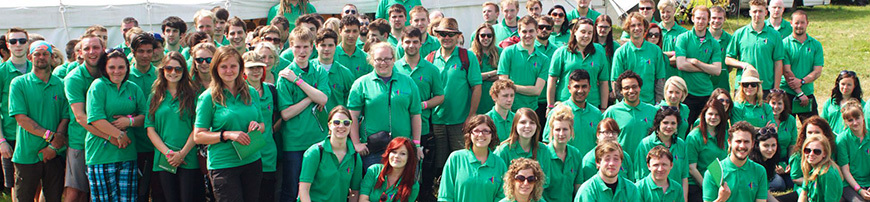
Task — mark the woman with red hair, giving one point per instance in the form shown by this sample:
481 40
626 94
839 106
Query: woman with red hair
394 179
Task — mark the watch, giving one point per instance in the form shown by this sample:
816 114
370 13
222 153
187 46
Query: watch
803 82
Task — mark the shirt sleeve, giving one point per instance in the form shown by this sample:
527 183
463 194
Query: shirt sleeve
310 163
711 189
204 111
733 48
437 83
618 66
148 117
504 62
17 104
382 10
778 51
473 76
323 83
369 181
447 186
141 102
416 106
356 97
762 181
75 89
681 44
604 74
819 56
284 88
556 63
96 103
542 72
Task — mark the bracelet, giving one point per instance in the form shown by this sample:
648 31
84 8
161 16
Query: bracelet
47 136
551 106
416 142
168 153
857 188
425 105
131 119
298 81
53 148
222 137
2 140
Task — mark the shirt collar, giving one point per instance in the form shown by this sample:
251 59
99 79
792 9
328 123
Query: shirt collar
13 69
490 162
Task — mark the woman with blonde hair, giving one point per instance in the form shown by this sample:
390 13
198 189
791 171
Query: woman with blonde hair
675 93
749 104
565 159
822 174
525 181
268 54
852 155
201 56
290 9
487 51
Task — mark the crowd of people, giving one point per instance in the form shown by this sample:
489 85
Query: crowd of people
550 106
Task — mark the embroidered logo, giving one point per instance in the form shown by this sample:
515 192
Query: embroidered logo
492 180
591 124
751 185
55 97
357 68
130 98
592 64
765 41
348 170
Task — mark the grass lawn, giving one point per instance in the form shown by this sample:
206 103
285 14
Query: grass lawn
843 32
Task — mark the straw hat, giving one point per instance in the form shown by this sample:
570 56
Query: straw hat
750 75
249 64
448 25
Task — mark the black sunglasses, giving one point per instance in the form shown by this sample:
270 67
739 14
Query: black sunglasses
545 27
21 41
812 151
112 50
447 34
850 73
670 108
645 8
529 179
486 35
747 85
350 12
272 39
558 15
654 34
200 60
167 69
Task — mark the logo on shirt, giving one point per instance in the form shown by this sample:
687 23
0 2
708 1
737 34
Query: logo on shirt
357 68
765 41
130 98
648 62
348 170
867 151
706 51
492 180
591 124
751 185
762 116
424 79
454 66
591 64
400 92
645 119
55 97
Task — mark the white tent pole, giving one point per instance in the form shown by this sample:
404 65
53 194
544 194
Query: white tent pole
62 10
148 10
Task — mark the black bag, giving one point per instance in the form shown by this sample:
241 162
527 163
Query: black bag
378 141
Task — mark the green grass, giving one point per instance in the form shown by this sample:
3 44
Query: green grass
843 32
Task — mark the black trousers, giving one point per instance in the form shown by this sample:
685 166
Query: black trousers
183 186
239 183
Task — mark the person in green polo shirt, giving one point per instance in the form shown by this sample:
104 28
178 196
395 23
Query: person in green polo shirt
290 9
331 169
340 78
204 21
706 143
642 57
485 48
758 47
143 74
503 93
75 88
748 102
698 60
542 43
16 65
741 179
312 22
235 33
666 124
852 153
634 117
647 9
776 8
523 140
825 181
657 186
811 127
804 63
302 92
399 163
397 18
255 72
37 102
474 173
220 26
384 7
586 115
675 94
608 184
169 122
718 34
580 53
847 86
127 24
565 172
225 112
561 26
525 64
583 9
605 36
114 106
670 31
509 26
62 70
201 55
607 131
347 54
419 18
173 29
524 181
786 124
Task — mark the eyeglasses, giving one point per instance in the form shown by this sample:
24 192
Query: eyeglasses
850 73
724 100
350 12
21 41
607 132
447 34
486 35
481 132
603 27
168 69
670 108
200 60
272 39
384 60
747 85
812 151
545 27
345 122
112 50
528 179
654 34
644 8
766 130
558 15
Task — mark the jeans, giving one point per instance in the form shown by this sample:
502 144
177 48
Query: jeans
291 162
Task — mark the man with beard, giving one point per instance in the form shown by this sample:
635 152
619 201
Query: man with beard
633 116
542 42
717 22
236 34
420 20
803 65
397 23
642 57
76 86
742 179
583 10
698 59
757 46
776 8
364 21
17 65
586 115
490 13
607 185
173 30
38 103
526 65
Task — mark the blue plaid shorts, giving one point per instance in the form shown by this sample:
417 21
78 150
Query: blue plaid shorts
113 181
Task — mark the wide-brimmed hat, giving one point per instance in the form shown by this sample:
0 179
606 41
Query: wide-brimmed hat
750 75
448 25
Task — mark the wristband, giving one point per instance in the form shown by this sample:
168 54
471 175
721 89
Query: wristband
53 148
168 153
298 81
222 137
551 106
131 119
47 136
425 105
416 142
857 188
2 140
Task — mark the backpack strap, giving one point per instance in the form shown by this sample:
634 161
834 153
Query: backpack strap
463 58
431 57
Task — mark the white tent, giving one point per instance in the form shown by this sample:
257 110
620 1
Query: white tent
62 20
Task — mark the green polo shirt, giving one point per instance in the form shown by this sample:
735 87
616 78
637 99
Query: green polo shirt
797 171
802 57
683 128
62 70
502 31
524 69
830 111
287 55
282 64
650 192
564 175
680 168
330 178
786 136
144 80
548 50
509 152
355 62
76 86
647 61
269 153
855 152
560 38
486 101
585 126
590 169
502 125
760 49
384 7
429 84
703 152
385 106
634 122
173 128
233 115
669 41
106 100
759 115
458 82
340 80
826 187
747 182
690 45
393 41
431 44
574 14
596 190
43 102
784 29
127 50
300 138
371 179
596 64
722 81
467 179
7 73
295 12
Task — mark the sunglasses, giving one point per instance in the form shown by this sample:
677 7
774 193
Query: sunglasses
558 15
670 108
447 34
168 69
21 41
724 100
645 8
272 39
486 35
201 60
850 73
812 151
528 179
545 27
384 197
747 85
350 12
345 122
112 50
654 34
